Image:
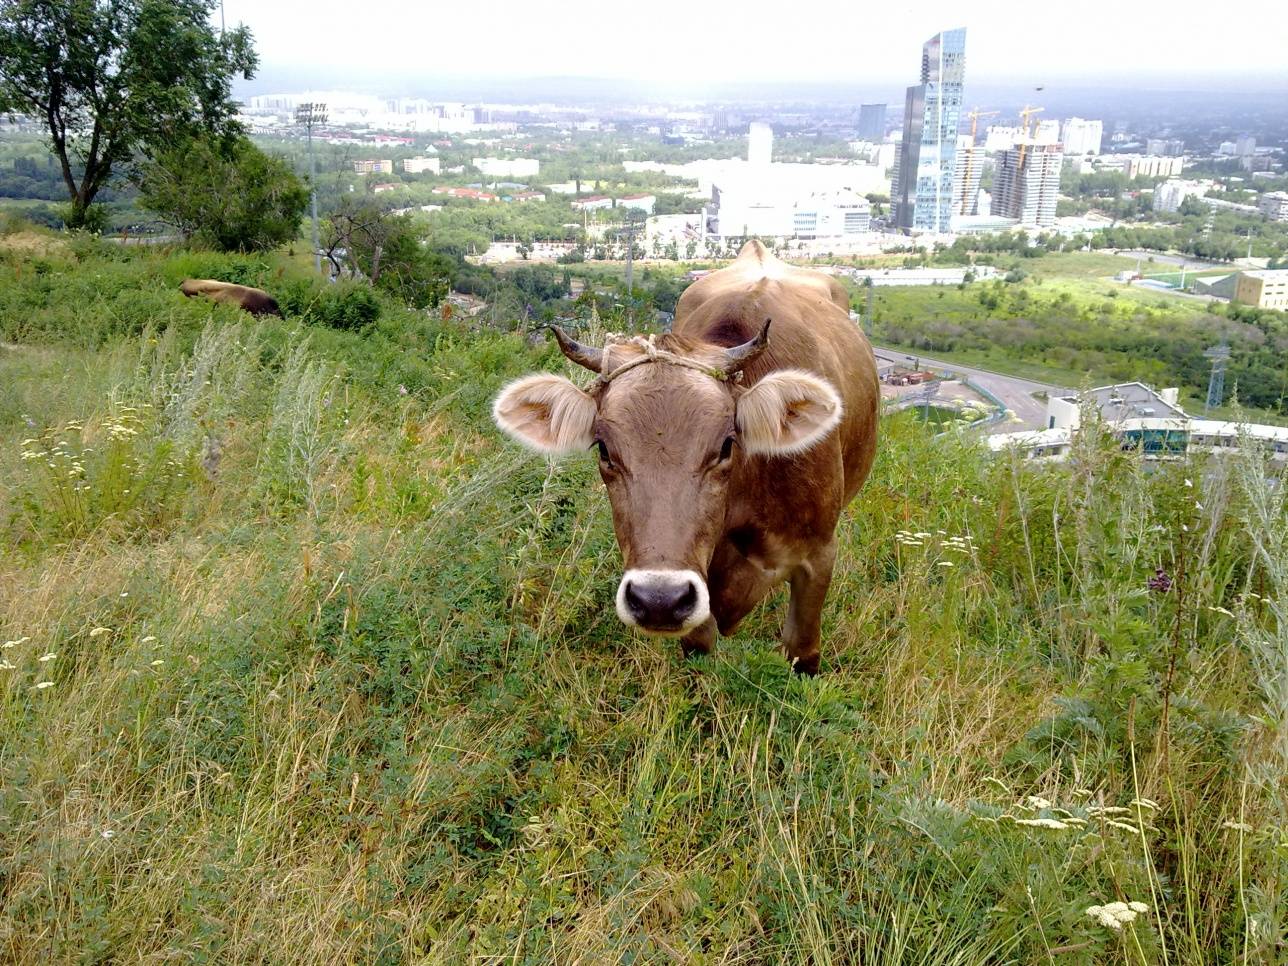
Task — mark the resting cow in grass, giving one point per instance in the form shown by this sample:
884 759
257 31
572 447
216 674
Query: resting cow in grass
729 448
254 300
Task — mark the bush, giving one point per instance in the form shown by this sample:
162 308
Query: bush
233 197
342 305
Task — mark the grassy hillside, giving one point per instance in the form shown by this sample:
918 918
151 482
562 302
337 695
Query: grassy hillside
303 664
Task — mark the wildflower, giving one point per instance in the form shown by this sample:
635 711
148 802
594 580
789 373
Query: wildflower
1160 583
107 833
46 658
125 593
44 684
1237 826
5 665
402 390
1116 914
21 640
1054 823
1148 803
1220 610
1108 810
1123 825
149 639
157 663
1189 483
944 563
100 631
1037 801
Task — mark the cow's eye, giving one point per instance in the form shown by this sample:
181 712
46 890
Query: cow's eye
603 453
726 450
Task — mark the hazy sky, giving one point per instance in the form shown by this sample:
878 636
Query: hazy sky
670 42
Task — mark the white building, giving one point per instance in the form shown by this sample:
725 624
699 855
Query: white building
1081 137
1274 205
507 167
1027 183
741 207
1169 195
1003 137
760 144
1141 165
421 165
593 203
640 202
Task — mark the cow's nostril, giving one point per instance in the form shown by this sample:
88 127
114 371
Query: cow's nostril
660 603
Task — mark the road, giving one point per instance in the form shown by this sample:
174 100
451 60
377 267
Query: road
1162 258
1015 392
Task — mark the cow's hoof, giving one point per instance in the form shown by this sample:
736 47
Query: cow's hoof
805 665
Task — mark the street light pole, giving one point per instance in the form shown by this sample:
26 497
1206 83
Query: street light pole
310 114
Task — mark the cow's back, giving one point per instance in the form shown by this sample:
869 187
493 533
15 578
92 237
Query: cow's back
811 329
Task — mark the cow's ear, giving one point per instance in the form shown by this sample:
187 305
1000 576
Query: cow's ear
546 413
787 412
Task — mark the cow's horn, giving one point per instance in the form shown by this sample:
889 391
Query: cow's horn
740 356
584 355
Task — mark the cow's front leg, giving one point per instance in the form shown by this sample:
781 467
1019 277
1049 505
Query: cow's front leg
701 639
809 581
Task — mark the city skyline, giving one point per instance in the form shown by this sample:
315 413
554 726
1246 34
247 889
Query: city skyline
422 44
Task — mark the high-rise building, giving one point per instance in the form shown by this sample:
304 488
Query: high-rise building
872 122
1082 137
1027 183
969 165
1274 205
1246 146
922 194
760 143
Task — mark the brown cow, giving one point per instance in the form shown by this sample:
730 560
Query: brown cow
254 300
729 450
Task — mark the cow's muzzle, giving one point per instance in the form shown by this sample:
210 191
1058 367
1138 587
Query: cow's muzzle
665 602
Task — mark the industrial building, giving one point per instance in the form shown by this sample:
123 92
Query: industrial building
1265 289
923 184
1144 420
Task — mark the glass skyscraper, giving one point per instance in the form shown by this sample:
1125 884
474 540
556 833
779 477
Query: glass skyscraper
922 192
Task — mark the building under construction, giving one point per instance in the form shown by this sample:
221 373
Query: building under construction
1026 183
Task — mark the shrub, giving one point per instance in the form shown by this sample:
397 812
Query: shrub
342 305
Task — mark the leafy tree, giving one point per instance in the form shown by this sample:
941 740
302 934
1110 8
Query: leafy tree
113 78
362 240
233 197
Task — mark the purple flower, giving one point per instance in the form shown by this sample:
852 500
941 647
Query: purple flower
1160 583
402 390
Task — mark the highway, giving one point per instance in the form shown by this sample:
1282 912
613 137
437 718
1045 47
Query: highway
1015 392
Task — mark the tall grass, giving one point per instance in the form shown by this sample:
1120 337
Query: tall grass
352 689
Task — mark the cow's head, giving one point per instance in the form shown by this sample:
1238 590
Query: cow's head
670 426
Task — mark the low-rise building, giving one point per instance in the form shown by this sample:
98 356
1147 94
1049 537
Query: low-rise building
508 167
1266 289
1141 165
1274 205
641 202
593 203
385 186
421 165
1143 420
374 166
472 194
1169 195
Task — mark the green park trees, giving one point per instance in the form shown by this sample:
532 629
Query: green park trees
111 79
227 194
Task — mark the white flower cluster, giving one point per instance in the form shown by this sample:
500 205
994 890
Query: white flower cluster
1116 914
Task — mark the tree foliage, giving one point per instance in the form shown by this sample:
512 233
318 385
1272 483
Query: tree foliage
233 196
361 240
113 78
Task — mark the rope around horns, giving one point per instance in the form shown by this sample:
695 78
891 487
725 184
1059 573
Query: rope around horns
653 354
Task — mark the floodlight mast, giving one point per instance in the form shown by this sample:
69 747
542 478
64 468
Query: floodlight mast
312 114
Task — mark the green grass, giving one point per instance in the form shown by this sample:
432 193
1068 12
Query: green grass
335 677
1086 265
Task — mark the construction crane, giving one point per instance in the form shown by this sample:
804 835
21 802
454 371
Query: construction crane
1025 114
974 116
